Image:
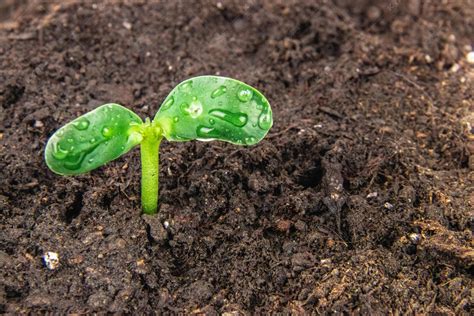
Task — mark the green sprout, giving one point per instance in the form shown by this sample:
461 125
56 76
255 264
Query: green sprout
202 108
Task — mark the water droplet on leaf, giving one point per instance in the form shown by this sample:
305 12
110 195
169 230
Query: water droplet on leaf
168 103
207 133
59 153
81 124
176 119
250 140
236 119
107 132
244 95
218 92
212 122
186 85
265 120
184 108
194 109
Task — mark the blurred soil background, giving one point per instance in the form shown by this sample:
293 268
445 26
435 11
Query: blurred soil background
360 199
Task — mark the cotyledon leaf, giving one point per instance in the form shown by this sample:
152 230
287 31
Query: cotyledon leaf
215 108
92 140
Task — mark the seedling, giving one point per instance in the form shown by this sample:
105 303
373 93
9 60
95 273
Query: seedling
202 108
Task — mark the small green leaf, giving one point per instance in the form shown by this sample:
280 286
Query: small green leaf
92 140
215 108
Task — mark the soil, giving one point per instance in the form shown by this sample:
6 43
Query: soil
359 200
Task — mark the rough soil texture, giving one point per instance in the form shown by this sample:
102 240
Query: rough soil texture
359 200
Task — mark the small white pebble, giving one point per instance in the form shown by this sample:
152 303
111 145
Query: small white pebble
318 125
388 206
147 54
414 238
428 59
372 195
51 260
38 124
219 5
325 261
127 25
454 68
170 67
470 57
166 224
94 6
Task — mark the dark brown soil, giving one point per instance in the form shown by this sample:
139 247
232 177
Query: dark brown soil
359 200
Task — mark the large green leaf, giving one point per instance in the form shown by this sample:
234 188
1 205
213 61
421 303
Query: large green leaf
92 139
215 108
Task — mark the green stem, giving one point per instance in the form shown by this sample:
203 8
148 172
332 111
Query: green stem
150 161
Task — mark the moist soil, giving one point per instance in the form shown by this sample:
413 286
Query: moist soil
359 200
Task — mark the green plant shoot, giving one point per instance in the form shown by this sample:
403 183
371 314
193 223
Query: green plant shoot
202 108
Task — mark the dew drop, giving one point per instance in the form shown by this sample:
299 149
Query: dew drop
176 119
250 140
92 140
90 160
194 109
186 85
265 120
212 121
236 119
184 108
70 140
218 92
168 103
61 133
107 132
244 95
59 153
122 148
207 133
81 124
